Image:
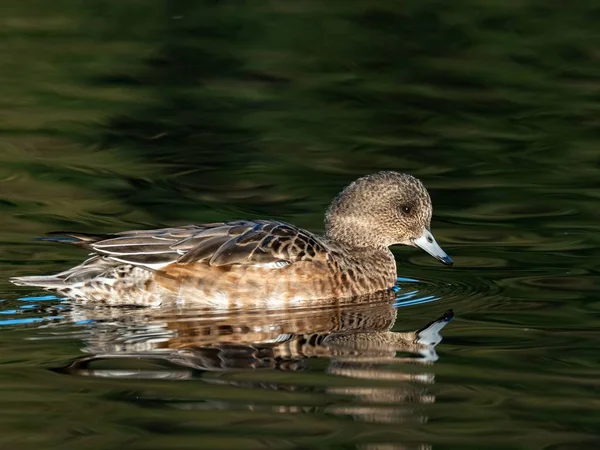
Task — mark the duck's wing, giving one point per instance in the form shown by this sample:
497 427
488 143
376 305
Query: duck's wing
216 244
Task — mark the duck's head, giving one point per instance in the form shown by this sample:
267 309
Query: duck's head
384 209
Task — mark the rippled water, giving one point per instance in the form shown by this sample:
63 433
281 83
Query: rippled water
127 115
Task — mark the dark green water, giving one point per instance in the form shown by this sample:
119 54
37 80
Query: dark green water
125 115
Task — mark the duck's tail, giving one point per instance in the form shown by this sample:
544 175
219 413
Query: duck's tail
59 280
89 269
72 237
52 282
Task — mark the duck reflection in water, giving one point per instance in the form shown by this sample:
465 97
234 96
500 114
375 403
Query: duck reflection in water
353 335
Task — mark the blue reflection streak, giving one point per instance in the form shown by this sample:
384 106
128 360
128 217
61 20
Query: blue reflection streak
406 280
406 295
43 298
408 298
20 321
417 301
28 320
25 308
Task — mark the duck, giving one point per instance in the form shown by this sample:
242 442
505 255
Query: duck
234 263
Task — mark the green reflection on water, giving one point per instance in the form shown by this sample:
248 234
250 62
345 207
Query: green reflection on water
124 114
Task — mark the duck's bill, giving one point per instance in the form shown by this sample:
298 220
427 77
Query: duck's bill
427 242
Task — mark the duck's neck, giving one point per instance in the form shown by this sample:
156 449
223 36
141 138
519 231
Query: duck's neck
354 246
353 234
364 269
361 251
365 259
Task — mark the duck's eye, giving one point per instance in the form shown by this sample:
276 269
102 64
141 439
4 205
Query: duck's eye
406 209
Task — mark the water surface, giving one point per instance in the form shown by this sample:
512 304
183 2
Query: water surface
126 115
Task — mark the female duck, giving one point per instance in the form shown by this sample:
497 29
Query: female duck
236 263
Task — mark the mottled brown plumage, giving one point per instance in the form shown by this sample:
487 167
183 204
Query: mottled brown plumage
265 262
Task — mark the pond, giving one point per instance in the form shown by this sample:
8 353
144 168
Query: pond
131 115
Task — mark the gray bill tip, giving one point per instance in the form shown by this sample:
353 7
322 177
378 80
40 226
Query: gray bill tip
428 243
